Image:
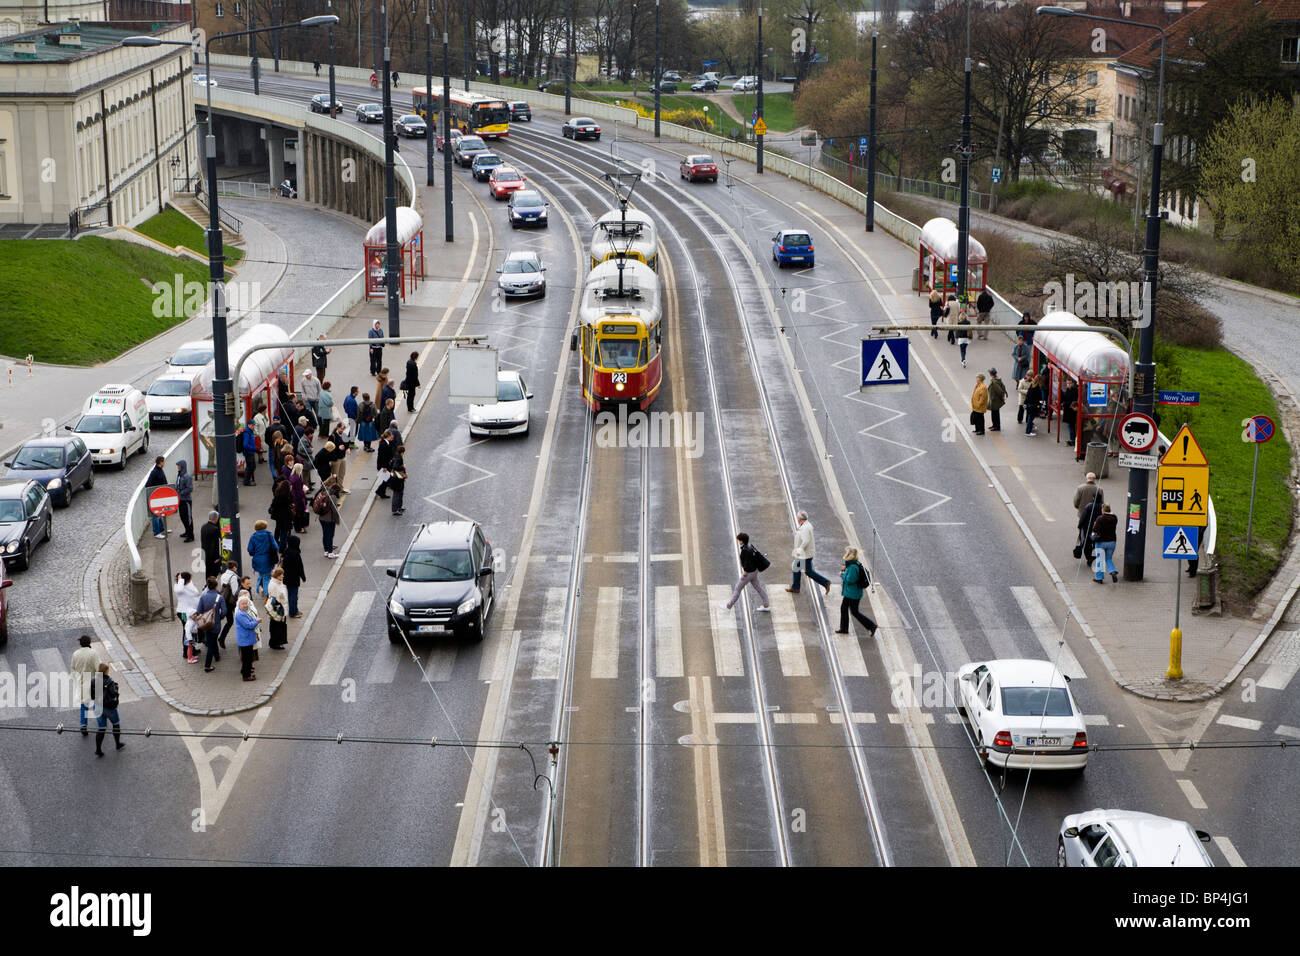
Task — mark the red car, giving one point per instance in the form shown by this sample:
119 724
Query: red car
4 609
455 135
699 167
505 180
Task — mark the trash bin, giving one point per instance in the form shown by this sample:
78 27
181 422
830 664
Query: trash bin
1207 586
1096 459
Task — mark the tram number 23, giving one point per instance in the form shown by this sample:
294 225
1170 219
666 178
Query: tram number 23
619 378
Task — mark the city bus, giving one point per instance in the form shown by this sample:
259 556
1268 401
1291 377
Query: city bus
474 114
625 233
619 335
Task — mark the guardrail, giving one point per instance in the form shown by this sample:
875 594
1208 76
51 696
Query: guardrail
137 510
229 220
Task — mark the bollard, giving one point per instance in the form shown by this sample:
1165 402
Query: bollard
139 605
1096 459
1175 671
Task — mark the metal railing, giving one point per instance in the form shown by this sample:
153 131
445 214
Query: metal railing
245 190
137 510
231 222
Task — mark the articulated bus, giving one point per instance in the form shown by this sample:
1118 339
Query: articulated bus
474 114
627 232
619 334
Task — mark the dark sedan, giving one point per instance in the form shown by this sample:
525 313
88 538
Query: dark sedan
520 111
411 125
26 519
580 127
704 86
370 113
60 465
547 86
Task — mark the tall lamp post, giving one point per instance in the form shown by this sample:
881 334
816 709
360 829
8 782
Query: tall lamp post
223 392
1145 372
393 279
963 212
758 100
658 75
871 141
428 90
568 62
446 127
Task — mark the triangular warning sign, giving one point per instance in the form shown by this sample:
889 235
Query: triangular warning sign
1180 545
1184 450
885 368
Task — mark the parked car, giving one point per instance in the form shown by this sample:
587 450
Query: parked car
1129 838
672 75
729 79
26 519
704 86
370 113
483 165
411 125
59 465
4 604
547 85
464 149
201 79
455 135
792 245
445 585
745 84
320 103
522 274
288 189
580 127
527 208
667 86
504 181
1023 715
509 415
699 166
520 111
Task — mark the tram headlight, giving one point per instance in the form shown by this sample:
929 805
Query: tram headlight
618 387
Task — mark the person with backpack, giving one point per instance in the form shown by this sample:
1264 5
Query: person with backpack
295 575
327 513
366 429
109 696
412 380
350 410
853 578
208 621
248 445
265 554
752 563
983 312
228 586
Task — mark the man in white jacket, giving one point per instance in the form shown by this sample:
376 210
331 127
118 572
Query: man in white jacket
85 664
803 554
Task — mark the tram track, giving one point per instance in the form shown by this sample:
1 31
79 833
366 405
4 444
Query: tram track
671 211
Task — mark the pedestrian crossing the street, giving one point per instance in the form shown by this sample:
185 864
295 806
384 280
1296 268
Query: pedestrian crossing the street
692 634
32 684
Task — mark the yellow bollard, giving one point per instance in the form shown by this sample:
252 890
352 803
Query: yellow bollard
1175 671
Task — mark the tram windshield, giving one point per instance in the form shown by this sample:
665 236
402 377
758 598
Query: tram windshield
620 353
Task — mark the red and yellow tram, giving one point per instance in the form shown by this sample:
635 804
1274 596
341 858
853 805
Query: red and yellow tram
619 335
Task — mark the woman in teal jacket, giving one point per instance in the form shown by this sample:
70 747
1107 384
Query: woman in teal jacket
853 578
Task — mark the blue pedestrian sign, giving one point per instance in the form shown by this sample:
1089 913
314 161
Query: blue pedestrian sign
996 175
862 144
884 363
1181 542
953 273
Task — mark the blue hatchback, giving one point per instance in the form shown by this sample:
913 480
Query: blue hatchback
792 245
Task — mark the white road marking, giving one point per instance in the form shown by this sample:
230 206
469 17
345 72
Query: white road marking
386 563
384 666
668 632
1284 731
213 796
1245 723
665 557
1192 794
726 637
1049 636
1229 851
789 635
782 718
926 718
1283 664
335 658
940 628
11 713
546 661
995 629
438 668
1096 720
859 717
626 557
604 648
737 718
848 648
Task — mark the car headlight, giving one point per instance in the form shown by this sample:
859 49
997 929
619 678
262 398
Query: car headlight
55 484
468 604
11 547
180 410
515 214
396 607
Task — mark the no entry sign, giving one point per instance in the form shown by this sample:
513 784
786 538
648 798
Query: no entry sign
164 502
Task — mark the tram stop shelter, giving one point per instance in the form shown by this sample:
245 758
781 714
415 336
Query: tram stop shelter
258 387
938 260
410 249
1099 368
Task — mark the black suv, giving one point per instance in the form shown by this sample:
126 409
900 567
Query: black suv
446 583
26 517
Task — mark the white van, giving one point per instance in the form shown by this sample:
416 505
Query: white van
192 356
113 424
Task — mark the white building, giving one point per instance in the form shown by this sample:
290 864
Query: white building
21 16
91 127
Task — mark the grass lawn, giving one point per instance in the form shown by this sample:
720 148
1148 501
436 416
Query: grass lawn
78 303
778 111
173 228
1230 392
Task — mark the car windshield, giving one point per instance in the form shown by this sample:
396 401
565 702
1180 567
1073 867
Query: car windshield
170 387
1036 702
507 176
584 121
509 391
797 239
471 142
519 265
527 199
438 565
39 457
371 108
412 119
193 356
99 424
487 159
10 511
701 160
619 353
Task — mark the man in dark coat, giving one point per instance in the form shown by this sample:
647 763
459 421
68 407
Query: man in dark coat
324 460
412 381
210 542
157 478
377 350
383 460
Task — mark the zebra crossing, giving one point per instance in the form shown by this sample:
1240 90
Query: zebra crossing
36 676
1017 625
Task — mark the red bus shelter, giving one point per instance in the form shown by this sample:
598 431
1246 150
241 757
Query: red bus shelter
1099 368
410 245
938 259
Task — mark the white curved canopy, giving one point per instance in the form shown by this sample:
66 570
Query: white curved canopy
261 366
408 224
1089 356
940 236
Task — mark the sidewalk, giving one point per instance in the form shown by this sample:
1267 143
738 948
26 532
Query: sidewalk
156 646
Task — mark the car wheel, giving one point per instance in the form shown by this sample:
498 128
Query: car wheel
66 500
26 562
596 137
476 632
144 445
524 433
394 635
121 465
90 480
981 751
49 526
714 179
1060 852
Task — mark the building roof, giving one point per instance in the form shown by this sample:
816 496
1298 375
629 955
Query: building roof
1120 38
63 42
1180 42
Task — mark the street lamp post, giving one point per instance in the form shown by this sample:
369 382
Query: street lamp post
1145 372
658 76
428 89
568 61
223 392
871 141
758 100
333 98
446 128
393 278
963 212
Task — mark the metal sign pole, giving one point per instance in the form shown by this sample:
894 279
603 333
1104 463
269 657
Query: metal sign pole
171 593
1175 671
1250 519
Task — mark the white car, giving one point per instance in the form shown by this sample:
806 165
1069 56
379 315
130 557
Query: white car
745 84
1129 838
522 274
191 356
1023 715
168 398
201 79
509 416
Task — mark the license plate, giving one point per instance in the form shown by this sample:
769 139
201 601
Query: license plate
1043 741
796 258
430 629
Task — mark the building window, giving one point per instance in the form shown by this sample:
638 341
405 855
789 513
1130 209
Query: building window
239 9
1044 107
220 11
1291 49
1092 78
1072 77
1071 107
1090 107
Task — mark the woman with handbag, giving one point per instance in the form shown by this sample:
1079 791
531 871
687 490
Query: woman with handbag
295 575
1103 539
281 512
298 488
246 625
277 613
366 429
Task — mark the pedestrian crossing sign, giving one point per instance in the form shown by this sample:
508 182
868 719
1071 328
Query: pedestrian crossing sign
1182 543
884 363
